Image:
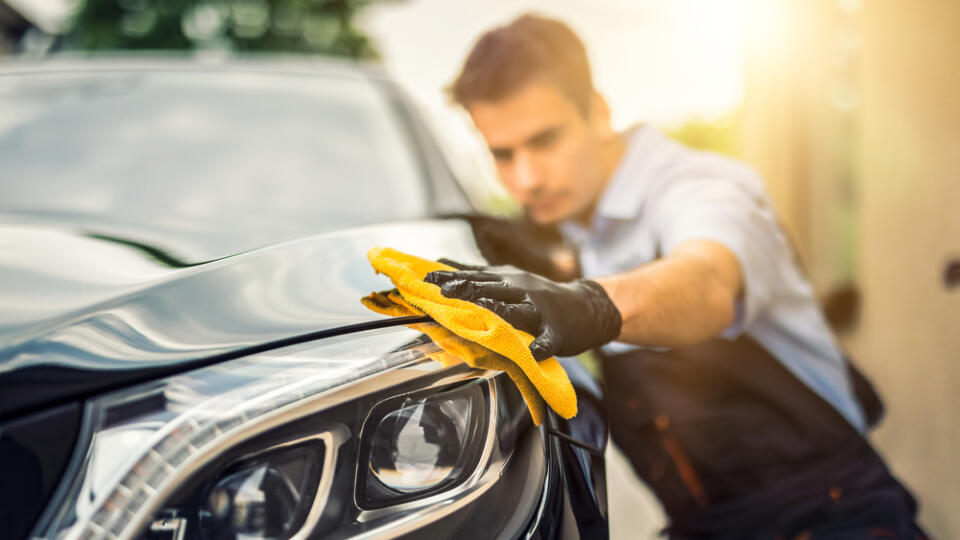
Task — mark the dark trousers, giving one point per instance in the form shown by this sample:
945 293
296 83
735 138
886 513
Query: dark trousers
736 447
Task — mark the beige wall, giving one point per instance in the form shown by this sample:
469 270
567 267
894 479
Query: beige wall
853 117
909 338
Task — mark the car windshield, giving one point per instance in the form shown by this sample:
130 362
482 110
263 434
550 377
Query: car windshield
240 149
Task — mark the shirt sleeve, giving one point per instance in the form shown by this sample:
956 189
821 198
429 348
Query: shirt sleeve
735 213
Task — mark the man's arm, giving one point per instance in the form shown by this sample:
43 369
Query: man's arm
724 250
683 298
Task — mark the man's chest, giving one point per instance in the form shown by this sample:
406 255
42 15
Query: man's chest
616 246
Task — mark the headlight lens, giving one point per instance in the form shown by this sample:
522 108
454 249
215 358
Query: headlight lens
266 496
417 447
418 444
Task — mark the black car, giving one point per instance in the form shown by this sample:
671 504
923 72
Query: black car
183 351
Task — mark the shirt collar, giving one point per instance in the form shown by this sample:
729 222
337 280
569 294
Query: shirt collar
622 198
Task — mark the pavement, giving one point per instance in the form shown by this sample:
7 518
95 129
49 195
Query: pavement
634 512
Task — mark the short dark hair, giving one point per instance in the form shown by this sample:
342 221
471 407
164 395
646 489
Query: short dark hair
529 48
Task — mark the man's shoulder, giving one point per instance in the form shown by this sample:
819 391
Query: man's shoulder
693 162
677 162
656 166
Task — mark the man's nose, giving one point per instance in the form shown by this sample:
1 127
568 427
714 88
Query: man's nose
525 177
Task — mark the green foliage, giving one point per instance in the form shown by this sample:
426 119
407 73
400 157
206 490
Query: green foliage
720 135
308 26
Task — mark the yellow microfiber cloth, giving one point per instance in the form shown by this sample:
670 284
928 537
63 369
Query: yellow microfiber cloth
470 333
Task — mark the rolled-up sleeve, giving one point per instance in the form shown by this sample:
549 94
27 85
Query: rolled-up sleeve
735 213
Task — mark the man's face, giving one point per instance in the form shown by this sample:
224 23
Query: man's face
547 152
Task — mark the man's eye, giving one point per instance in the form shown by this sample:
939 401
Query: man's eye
545 140
502 154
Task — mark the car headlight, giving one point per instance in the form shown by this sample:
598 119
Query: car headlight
357 435
417 445
266 496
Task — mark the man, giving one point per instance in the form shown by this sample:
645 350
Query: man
725 387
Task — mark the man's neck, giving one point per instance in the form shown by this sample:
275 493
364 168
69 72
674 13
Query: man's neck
611 155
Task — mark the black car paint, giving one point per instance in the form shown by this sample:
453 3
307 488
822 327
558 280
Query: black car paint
34 452
135 331
579 443
247 301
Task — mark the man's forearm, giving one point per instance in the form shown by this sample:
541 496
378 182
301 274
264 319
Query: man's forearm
682 299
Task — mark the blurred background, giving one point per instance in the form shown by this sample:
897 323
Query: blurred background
850 109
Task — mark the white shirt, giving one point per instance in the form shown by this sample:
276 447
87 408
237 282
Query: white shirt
663 194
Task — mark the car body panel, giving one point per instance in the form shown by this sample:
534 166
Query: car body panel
34 452
118 308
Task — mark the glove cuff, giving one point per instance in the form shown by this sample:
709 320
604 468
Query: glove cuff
605 312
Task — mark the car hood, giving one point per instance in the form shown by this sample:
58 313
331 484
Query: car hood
89 305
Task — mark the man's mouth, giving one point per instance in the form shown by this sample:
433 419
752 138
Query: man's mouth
545 204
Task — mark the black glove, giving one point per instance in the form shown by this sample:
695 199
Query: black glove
565 318
521 243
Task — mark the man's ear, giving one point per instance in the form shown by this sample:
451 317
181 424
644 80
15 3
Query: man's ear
600 115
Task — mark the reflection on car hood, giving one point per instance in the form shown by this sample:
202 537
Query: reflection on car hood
86 301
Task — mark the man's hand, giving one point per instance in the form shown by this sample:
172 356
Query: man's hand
565 318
